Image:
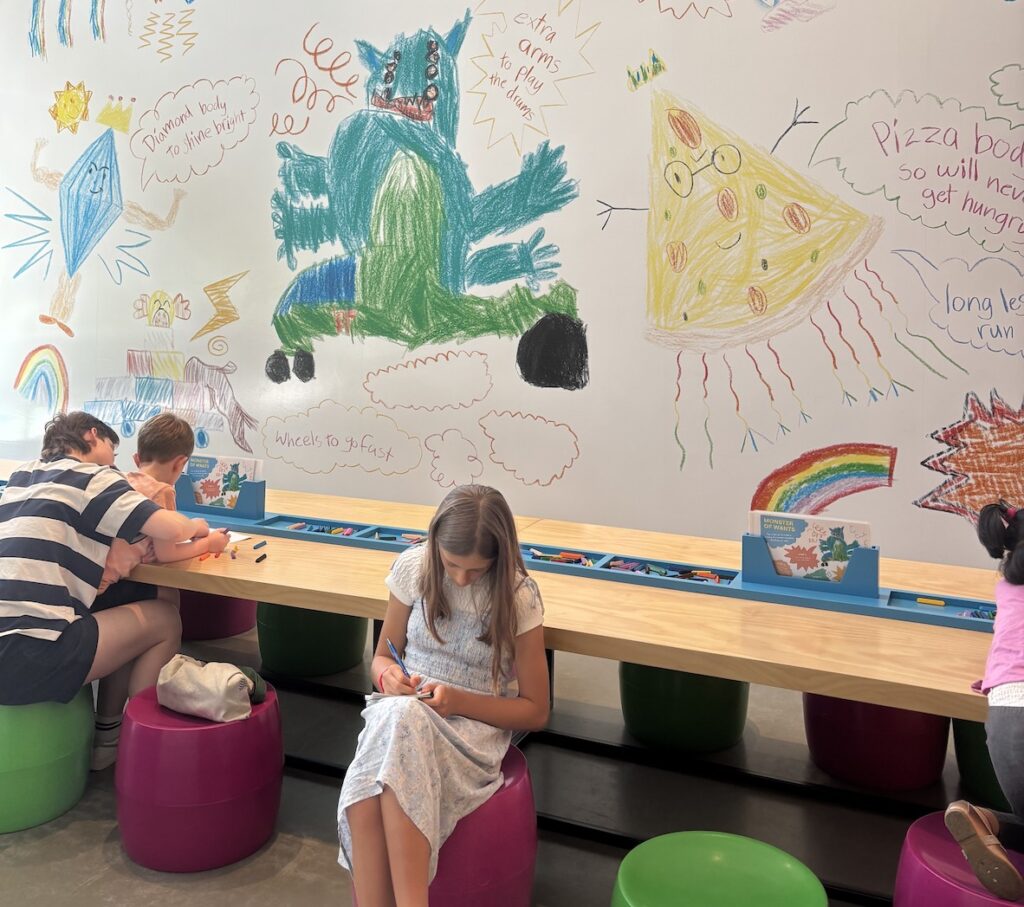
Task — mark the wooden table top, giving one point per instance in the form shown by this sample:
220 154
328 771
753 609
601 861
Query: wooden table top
890 662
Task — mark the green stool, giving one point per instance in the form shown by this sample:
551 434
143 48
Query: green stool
299 643
44 759
687 712
976 773
713 869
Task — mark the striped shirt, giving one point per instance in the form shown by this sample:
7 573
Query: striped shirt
57 522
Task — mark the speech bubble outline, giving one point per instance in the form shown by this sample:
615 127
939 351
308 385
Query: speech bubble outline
454 459
884 184
1014 79
984 305
466 371
198 127
506 443
349 436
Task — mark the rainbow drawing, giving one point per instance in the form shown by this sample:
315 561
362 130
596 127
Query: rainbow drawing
820 477
43 378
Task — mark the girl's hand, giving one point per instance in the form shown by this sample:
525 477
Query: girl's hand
200 528
395 683
444 699
216 542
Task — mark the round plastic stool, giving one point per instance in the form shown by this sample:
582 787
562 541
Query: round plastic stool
977 777
875 746
295 642
680 711
933 871
713 869
488 860
44 759
215 616
194 794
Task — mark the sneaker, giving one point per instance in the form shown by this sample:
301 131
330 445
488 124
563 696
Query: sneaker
104 755
983 851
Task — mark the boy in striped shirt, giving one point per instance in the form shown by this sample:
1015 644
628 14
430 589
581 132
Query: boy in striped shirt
59 516
165 444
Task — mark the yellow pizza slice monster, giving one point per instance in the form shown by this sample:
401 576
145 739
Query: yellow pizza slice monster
740 246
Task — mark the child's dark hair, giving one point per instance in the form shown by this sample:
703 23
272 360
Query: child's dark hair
165 437
1001 531
63 435
475 519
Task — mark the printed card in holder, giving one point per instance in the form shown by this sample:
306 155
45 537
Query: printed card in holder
216 481
809 546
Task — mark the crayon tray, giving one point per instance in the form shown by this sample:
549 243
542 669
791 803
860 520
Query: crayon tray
668 574
330 528
395 535
951 612
551 558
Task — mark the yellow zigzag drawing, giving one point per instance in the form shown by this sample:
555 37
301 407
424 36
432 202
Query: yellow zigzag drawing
224 311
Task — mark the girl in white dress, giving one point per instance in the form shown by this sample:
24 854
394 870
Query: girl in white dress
468 623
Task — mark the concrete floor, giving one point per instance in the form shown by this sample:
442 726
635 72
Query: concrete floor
77 859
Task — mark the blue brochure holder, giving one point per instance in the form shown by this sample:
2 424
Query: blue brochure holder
860 579
250 506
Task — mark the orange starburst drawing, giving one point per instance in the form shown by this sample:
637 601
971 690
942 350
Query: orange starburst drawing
802 558
983 461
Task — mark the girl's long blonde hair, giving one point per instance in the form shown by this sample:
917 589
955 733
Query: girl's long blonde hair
476 520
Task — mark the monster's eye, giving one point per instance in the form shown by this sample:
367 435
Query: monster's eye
431 93
433 56
431 46
397 56
389 77
390 65
386 94
431 71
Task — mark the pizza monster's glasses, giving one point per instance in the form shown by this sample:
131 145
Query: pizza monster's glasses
726 159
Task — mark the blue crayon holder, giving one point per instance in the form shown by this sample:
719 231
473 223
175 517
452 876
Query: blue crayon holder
858 592
250 507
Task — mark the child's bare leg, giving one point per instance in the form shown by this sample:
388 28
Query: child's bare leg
371 873
408 853
113 691
146 633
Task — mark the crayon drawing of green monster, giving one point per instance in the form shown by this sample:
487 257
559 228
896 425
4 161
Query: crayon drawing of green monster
394 193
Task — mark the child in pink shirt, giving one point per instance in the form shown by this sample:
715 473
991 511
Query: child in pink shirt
1001 531
165 443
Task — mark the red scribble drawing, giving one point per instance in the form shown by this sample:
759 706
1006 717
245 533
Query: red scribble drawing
802 558
323 47
702 8
305 90
285 125
535 450
983 459
452 380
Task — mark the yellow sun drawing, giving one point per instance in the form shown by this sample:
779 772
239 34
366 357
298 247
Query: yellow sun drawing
72 106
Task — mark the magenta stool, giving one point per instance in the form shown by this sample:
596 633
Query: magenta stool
933 871
194 794
488 859
875 746
206 616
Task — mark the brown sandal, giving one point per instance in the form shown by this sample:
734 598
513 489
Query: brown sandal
983 851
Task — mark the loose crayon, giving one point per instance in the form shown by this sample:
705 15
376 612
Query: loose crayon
337 530
259 544
203 557
297 526
937 602
262 557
